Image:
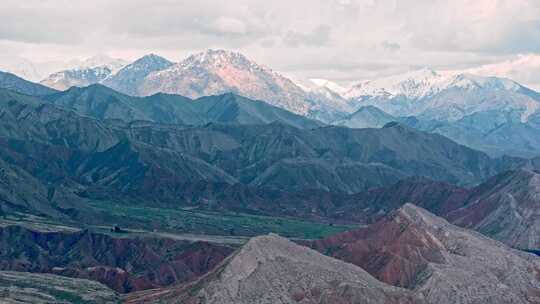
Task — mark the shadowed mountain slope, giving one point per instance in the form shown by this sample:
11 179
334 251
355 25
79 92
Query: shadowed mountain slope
104 103
122 263
12 82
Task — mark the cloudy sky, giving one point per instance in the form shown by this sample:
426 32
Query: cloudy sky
341 40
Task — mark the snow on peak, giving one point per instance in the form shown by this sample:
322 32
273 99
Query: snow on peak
151 58
329 85
150 62
469 81
219 71
413 85
425 83
219 59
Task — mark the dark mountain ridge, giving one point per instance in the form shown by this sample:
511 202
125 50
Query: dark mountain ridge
17 84
102 102
111 157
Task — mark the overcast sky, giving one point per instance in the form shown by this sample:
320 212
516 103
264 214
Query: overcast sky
341 40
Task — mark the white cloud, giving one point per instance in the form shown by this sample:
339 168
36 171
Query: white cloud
524 69
343 40
229 25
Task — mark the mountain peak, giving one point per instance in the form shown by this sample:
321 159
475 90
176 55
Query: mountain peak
92 89
426 82
92 70
468 80
151 58
313 84
215 72
423 252
417 215
128 79
296 273
414 84
219 59
367 117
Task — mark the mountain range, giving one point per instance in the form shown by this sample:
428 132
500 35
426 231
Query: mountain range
481 112
493 132
84 73
276 155
161 181
102 103
410 256
212 72
220 139
427 95
58 152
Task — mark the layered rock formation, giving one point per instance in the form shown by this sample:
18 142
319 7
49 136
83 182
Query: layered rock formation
414 249
122 263
506 207
270 269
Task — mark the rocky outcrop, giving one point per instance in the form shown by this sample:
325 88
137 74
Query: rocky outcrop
122 263
82 77
506 207
415 249
38 288
271 269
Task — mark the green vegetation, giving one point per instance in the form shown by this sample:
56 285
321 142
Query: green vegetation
206 222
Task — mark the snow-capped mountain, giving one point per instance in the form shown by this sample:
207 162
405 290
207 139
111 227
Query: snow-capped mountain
128 79
218 71
85 72
82 77
212 72
412 85
318 84
327 102
444 96
37 71
495 115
